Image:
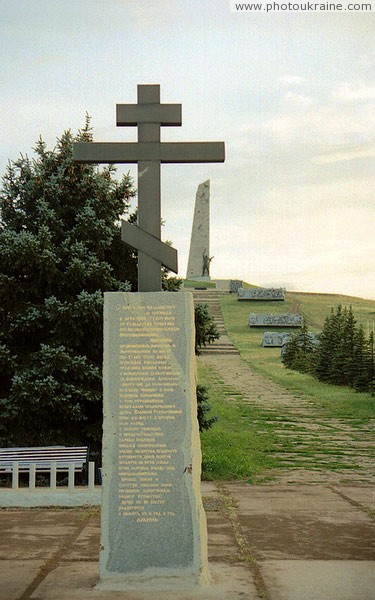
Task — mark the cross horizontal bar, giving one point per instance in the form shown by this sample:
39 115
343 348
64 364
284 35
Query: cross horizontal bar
133 114
140 240
133 152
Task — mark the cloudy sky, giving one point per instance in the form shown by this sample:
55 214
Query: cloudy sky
292 95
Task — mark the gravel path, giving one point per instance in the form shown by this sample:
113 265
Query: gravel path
313 448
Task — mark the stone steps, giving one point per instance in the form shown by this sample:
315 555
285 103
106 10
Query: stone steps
223 345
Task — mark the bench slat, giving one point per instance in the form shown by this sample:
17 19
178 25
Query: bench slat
42 457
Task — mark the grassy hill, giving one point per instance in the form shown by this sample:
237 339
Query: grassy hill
255 441
314 307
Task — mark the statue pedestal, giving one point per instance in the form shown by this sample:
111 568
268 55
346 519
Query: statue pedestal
202 278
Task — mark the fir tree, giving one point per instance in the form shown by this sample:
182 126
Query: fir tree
206 330
290 352
205 421
371 363
300 351
360 367
60 249
343 363
330 342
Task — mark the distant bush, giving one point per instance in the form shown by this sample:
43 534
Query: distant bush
206 331
205 422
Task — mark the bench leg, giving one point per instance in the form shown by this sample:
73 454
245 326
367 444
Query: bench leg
71 477
32 473
53 475
15 476
91 475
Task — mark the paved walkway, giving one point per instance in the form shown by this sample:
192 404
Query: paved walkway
269 542
313 447
288 540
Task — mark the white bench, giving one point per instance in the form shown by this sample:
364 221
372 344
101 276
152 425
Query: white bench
47 459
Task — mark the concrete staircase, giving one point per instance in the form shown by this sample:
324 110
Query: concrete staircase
223 345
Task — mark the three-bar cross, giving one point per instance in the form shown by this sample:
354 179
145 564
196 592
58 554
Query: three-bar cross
149 152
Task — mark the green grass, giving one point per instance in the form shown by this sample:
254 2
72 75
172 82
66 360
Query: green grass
337 401
241 444
252 443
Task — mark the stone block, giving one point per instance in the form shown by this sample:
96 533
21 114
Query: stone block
274 339
275 320
153 523
257 293
235 285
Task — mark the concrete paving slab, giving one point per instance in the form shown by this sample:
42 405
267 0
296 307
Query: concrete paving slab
76 581
86 545
299 499
295 542
221 542
365 496
16 576
303 522
33 534
319 580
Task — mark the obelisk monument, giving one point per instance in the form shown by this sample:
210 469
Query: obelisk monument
199 256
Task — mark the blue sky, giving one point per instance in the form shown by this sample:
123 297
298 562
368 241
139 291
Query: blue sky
291 94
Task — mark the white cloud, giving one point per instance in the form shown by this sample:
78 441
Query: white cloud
366 61
291 80
148 15
366 151
324 250
354 92
320 126
341 122
297 99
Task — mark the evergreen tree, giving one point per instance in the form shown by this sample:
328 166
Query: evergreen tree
359 369
60 249
306 355
371 363
347 367
300 351
204 420
343 356
289 352
205 328
330 341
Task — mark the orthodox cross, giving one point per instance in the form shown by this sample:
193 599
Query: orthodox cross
148 115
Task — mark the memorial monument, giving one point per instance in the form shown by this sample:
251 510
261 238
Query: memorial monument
276 320
198 268
153 528
257 293
274 339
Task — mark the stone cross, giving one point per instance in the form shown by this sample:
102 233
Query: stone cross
148 115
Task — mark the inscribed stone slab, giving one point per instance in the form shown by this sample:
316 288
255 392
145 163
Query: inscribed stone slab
261 294
235 285
278 320
274 339
153 523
